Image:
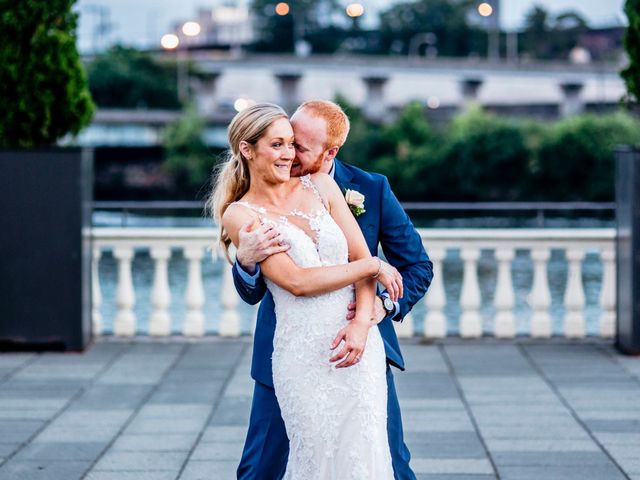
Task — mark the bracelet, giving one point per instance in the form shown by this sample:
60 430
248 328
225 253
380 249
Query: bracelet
379 268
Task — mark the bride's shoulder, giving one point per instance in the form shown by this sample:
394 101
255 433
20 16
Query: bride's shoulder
325 183
237 214
320 177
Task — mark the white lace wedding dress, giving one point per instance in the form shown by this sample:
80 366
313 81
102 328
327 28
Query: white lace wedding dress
336 419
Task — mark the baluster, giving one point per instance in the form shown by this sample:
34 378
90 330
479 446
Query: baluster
470 321
504 325
125 321
230 320
574 300
96 292
540 298
608 293
160 321
194 294
404 329
435 322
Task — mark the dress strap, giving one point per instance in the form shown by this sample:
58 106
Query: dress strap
308 183
260 210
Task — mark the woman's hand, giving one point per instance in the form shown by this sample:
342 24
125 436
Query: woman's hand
389 276
354 336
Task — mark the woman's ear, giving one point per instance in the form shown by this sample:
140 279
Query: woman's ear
246 150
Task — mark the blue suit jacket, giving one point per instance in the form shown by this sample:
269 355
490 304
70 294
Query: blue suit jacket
384 223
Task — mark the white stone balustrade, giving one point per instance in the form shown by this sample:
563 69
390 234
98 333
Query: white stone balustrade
470 243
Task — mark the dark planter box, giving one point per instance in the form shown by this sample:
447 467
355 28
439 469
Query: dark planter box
45 249
628 249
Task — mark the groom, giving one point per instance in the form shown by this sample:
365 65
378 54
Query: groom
320 129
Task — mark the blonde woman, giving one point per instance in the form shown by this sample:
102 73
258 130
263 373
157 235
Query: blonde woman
335 417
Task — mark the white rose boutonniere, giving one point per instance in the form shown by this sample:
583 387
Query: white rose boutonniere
355 200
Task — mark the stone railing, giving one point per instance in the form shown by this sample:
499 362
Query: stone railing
536 245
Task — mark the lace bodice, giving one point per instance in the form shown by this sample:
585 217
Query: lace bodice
322 244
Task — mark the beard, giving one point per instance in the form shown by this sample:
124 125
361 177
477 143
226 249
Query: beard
298 170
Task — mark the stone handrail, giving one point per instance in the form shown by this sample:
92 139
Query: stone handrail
198 243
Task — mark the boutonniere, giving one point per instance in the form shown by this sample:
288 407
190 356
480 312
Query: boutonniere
355 200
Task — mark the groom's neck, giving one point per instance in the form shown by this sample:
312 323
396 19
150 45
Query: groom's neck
327 166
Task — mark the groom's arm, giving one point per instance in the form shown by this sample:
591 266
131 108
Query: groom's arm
254 245
402 247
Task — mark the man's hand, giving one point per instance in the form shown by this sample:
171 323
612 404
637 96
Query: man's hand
257 243
355 338
378 310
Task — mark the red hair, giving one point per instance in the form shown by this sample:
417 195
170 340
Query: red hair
337 121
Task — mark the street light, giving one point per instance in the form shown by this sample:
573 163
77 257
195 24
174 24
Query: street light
487 10
191 29
171 41
355 10
282 9
300 47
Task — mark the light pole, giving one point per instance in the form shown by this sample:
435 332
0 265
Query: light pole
171 41
491 10
355 11
300 47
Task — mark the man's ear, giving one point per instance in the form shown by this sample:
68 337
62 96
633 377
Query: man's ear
246 149
332 152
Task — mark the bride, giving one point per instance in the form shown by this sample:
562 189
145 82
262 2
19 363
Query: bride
335 417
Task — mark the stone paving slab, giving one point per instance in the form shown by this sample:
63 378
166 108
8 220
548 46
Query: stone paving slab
177 409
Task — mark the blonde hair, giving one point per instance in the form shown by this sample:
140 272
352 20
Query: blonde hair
337 121
231 177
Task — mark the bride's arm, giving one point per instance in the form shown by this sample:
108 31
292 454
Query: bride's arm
356 332
285 273
358 249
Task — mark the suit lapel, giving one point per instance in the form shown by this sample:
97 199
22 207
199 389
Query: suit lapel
344 178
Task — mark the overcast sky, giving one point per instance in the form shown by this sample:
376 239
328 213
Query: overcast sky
142 22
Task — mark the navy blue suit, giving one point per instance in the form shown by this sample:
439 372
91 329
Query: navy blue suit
386 224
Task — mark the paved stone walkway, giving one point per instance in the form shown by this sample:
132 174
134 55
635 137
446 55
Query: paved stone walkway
175 409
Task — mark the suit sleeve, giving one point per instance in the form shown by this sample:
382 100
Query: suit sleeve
402 247
250 292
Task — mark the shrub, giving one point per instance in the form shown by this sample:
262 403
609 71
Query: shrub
631 74
575 160
43 87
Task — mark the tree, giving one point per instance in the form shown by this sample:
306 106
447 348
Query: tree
43 86
575 160
187 155
631 74
548 37
484 156
127 78
307 17
402 23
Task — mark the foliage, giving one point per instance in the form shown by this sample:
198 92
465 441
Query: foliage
481 157
187 156
547 37
311 18
484 156
127 78
402 23
575 160
631 74
43 87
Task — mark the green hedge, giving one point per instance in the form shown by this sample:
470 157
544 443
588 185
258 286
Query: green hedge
482 157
